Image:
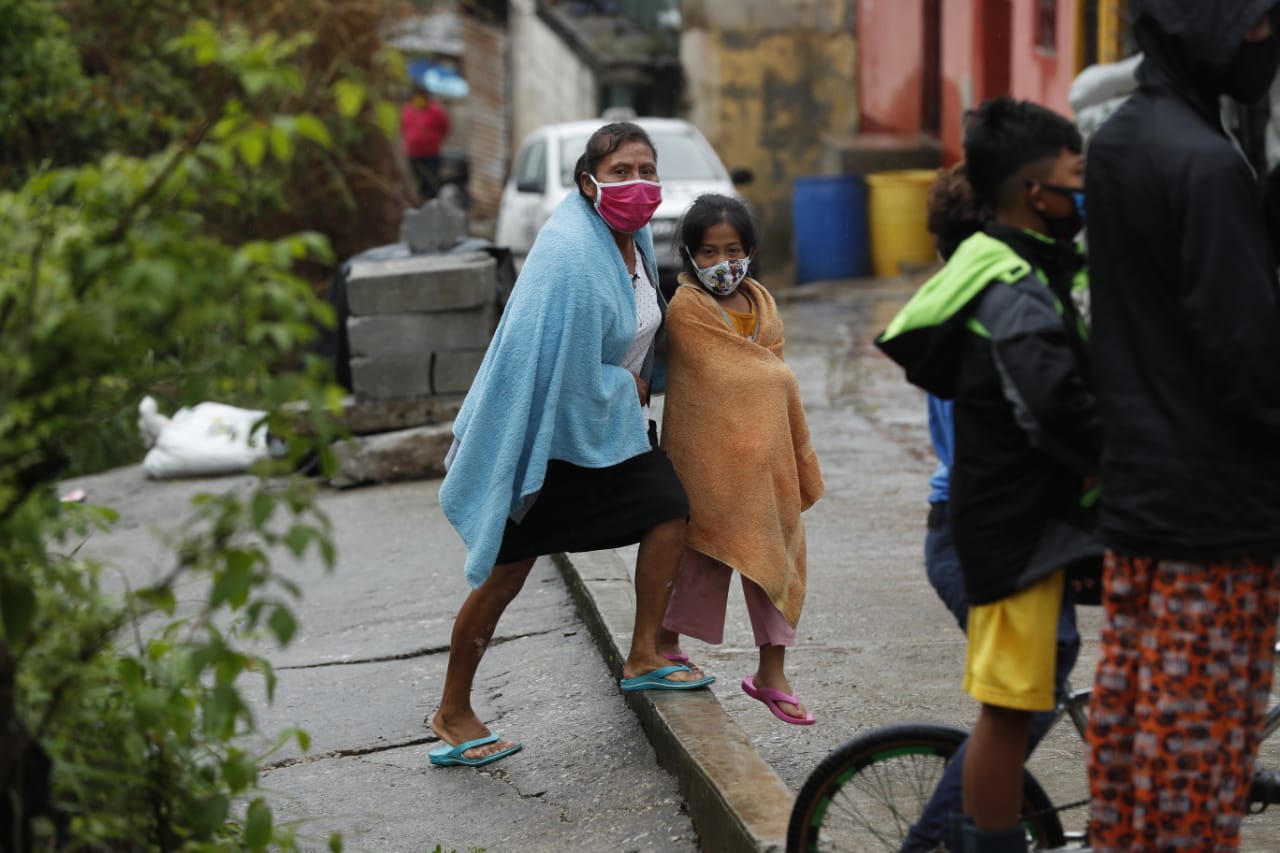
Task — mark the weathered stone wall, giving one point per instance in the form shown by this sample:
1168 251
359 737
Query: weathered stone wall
550 82
767 81
487 138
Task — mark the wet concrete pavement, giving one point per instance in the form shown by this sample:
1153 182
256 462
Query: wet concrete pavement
365 672
875 646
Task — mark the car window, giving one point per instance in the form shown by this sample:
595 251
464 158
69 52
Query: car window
681 157
531 167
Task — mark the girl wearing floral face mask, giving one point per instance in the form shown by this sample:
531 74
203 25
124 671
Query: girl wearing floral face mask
736 432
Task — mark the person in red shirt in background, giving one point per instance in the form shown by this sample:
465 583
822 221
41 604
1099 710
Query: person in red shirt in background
424 123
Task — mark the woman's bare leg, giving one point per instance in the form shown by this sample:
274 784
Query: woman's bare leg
656 566
455 721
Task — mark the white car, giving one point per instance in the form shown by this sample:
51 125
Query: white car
543 175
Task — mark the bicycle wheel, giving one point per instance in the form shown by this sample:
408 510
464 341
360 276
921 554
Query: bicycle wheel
867 793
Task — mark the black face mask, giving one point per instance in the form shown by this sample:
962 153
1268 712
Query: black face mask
1249 75
1065 228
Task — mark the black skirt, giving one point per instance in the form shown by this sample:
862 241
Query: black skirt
593 509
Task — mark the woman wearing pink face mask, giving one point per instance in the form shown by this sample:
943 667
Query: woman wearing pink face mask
554 450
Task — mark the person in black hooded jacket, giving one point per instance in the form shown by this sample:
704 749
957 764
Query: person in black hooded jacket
1186 341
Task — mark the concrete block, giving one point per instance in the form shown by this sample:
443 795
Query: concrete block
436 226
362 417
391 378
454 370
405 335
410 454
372 416
421 283
443 372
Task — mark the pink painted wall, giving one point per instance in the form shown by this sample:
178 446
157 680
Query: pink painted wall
890 42
1041 75
890 38
958 72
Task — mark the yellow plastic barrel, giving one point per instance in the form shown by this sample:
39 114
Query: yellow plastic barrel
897 213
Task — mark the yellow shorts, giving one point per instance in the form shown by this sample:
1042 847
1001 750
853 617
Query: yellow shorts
1013 645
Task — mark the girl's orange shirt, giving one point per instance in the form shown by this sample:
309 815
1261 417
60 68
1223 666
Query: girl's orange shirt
743 321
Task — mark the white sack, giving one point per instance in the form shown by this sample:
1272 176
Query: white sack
206 440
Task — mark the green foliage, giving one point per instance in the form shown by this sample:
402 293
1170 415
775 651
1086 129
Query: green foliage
118 278
113 82
42 85
144 727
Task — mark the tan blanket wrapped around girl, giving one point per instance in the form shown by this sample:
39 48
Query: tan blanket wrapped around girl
736 432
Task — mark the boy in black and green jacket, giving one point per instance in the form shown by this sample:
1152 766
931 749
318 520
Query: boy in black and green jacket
1000 331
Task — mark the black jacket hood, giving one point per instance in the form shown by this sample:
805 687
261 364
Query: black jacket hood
1201 35
1190 43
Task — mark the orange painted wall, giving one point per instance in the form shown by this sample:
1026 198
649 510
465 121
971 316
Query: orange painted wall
890 39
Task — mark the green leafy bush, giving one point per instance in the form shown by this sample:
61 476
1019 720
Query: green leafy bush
122 723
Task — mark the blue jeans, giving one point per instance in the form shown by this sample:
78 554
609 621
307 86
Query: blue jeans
942 565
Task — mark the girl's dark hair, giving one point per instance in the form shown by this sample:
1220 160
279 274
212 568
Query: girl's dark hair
954 214
604 142
1003 136
712 209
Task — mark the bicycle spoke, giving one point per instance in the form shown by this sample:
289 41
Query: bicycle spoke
874 808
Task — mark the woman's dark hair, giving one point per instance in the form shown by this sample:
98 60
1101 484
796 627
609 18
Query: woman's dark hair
712 209
954 214
1003 136
604 142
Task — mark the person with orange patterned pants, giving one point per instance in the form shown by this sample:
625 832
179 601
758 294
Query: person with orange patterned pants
1186 331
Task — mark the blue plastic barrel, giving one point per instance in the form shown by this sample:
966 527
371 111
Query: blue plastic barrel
829 220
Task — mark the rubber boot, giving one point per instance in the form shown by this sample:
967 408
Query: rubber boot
974 840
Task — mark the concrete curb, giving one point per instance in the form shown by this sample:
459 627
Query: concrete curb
736 801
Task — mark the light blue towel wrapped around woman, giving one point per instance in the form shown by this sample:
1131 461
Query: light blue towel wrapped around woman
551 385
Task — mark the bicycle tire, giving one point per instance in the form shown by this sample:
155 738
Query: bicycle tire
867 793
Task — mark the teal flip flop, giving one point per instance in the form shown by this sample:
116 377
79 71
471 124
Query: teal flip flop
445 755
657 680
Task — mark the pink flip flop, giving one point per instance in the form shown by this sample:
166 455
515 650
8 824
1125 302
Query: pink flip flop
772 697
